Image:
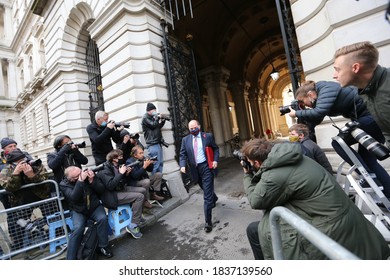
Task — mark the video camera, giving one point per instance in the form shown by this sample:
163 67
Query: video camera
119 124
286 109
245 163
351 132
166 117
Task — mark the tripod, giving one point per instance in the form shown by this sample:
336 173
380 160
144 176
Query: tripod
366 197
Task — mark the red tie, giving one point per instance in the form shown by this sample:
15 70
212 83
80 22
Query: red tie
195 149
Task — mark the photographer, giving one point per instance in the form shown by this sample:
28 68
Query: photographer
151 127
18 172
81 189
100 133
66 154
330 99
117 192
139 175
127 142
284 177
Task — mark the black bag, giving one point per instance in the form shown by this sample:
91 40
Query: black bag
87 249
165 189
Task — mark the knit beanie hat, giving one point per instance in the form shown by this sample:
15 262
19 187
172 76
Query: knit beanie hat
150 106
6 141
15 156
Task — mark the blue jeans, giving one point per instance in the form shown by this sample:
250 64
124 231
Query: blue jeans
156 150
366 158
79 223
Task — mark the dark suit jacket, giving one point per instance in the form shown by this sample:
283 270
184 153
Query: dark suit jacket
187 151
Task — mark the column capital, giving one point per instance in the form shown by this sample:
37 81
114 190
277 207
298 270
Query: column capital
214 74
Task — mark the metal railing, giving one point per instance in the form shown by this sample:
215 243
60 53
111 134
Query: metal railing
325 244
32 234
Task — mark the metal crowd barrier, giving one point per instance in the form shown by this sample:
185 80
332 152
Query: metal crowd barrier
325 244
26 231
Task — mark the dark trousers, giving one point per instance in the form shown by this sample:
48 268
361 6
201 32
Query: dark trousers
366 158
252 232
206 182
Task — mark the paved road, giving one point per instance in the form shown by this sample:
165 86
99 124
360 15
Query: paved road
179 234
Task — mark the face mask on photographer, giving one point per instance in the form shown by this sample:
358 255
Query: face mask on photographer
103 124
195 131
154 113
293 138
120 161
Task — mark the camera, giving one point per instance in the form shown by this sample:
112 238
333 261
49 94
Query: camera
286 109
97 168
245 163
166 117
34 162
135 163
152 158
81 145
119 124
351 132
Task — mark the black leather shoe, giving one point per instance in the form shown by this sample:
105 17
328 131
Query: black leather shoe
215 201
208 227
105 252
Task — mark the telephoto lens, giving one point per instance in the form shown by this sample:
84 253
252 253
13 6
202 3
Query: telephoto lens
379 150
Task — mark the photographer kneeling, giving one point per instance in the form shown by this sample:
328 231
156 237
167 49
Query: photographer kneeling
282 176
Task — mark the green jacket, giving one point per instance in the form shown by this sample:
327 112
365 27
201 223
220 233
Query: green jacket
376 96
287 178
13 183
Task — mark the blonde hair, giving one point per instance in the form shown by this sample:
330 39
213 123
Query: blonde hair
363 52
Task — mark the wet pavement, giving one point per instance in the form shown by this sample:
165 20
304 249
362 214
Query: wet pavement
175 232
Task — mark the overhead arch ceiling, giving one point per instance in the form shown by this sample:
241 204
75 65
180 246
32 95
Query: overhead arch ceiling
242 36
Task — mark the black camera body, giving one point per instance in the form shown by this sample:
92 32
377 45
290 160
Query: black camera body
245 163
286 109
80 145
166 117
352 134
34 162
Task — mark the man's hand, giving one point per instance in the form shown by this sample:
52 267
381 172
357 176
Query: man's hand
91 175
215 164
147 162
182 169
122 169
83 175
292 113
111 125
25 168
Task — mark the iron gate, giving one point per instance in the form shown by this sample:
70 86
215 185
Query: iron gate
96 101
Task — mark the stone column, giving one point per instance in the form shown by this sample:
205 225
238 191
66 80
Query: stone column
2 81
12 81
256 115
239 96
214 80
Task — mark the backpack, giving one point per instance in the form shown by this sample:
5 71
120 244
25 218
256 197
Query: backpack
87 249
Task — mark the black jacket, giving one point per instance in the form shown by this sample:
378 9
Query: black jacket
82 197
152 129
62 158
333 100
113 182
138 172
101 141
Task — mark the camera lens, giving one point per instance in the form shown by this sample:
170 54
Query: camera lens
376 148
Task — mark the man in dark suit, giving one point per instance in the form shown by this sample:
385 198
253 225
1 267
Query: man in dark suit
193 153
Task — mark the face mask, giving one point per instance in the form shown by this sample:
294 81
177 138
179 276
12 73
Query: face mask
103 124
195 131
154 113
120 161
293 138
